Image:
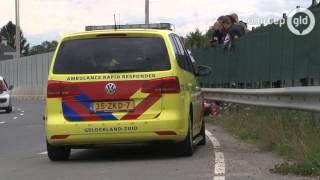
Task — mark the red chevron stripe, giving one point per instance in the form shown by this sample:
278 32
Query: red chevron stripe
142 107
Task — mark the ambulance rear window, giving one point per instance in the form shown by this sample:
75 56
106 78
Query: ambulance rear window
112 54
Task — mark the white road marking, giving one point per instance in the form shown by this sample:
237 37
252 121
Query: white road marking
216 143
21 114
43 153
2 122
219 178
15 118
22 111
219 164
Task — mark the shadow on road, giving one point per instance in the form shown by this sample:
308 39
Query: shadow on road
125 153
5 113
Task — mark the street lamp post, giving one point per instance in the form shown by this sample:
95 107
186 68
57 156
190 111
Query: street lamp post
17 29
146 11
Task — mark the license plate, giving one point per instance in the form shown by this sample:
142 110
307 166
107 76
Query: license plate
113 106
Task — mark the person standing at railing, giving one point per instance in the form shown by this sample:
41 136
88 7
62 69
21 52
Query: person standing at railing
227 29
218 33
234 17
233 28
227 23
244 25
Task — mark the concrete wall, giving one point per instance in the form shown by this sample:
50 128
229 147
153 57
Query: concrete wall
29 74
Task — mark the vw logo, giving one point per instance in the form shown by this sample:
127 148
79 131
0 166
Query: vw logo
111 88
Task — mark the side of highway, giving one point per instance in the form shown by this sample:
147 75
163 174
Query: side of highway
245 161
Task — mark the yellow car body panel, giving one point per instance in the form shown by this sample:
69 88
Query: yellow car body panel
164 119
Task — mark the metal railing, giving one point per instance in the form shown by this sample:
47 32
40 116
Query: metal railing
300 98
270 56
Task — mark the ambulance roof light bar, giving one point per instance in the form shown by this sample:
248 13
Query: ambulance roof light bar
163 26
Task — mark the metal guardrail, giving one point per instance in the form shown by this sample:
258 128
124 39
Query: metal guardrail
300 98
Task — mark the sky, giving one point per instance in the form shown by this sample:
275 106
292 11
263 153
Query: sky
49 19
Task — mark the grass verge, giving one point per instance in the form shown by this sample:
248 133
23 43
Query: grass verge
293 134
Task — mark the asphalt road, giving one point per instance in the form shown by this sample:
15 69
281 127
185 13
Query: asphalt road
22 155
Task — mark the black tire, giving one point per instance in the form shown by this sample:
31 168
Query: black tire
203 134
186 148
58 153
9 109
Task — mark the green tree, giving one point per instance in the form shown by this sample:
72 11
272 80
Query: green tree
44 47
197 40
9 32
209 34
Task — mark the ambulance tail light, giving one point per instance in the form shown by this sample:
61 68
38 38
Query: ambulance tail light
167 85
58 89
